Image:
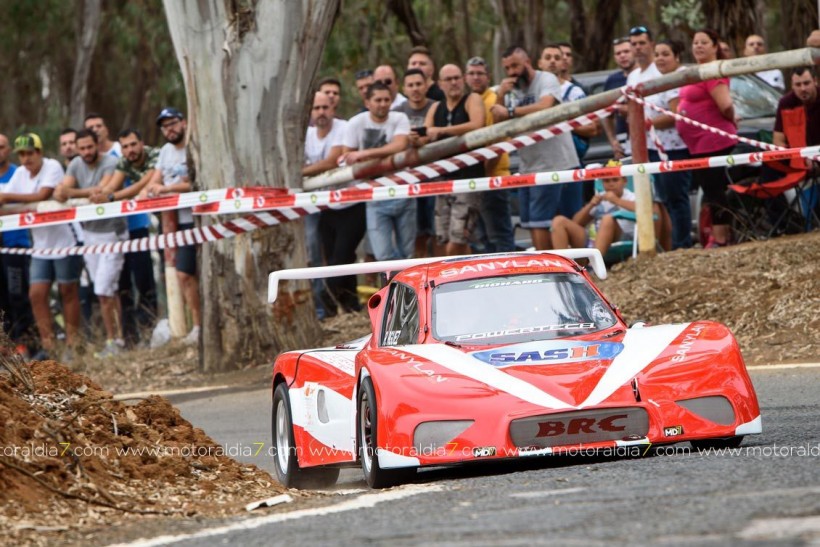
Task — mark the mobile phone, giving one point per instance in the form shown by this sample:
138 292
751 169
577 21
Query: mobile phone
420 131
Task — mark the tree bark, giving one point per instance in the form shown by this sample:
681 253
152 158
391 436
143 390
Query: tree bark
403 10
734 20
248 68
799 18
88 29
591 46
521 23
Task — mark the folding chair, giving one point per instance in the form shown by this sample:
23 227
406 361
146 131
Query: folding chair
764 209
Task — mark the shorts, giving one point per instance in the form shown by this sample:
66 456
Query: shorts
538 205
105 269
64 270
185 261
456 218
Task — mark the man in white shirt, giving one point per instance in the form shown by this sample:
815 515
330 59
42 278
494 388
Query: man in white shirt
96 123
32 182
323 146
172 178
376 134
756 45
386 75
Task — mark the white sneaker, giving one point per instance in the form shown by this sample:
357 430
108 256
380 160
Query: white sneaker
192 337
112 348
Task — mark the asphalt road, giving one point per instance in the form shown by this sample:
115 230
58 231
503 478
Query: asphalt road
768 492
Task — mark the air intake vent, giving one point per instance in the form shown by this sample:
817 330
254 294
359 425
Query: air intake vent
716 409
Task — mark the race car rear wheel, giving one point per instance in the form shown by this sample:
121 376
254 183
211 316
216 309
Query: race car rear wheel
285 453
723 442
368 421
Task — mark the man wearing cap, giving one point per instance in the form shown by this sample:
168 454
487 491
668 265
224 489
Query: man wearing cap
17 317
32 182
173 168
135 169
85 176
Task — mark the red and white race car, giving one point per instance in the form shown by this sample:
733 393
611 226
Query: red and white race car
495 357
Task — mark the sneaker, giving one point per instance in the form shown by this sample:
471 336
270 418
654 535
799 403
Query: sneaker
712 244
41 355
67 356
192 338
111 349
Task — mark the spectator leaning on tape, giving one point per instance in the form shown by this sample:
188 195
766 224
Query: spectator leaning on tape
173 178
135 169
710 103
85 176
524 91
32 182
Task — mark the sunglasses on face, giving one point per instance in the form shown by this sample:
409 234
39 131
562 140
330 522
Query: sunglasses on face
385 81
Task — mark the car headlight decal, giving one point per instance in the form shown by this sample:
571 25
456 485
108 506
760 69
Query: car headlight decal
431 437
716 408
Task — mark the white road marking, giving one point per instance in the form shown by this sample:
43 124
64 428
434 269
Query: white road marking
547 493
781 528
361 502
165 393
784 366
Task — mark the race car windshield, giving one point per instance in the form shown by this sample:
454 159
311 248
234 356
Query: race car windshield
520 308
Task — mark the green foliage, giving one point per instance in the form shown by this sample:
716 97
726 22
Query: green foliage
134 71
684 14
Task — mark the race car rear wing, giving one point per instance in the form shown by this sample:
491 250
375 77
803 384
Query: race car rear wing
593 255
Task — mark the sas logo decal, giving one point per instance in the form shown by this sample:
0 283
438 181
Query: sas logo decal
548 353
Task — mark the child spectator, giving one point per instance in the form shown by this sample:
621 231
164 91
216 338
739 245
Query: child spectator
572 233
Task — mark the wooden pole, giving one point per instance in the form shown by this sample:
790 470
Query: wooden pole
544 118
643 190
173 292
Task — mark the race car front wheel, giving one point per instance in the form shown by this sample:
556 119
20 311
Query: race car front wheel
368 422
285 452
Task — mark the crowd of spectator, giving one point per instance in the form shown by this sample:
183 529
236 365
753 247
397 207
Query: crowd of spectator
462 99
98 169
399 110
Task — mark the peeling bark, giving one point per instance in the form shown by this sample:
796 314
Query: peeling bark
248 68
88 29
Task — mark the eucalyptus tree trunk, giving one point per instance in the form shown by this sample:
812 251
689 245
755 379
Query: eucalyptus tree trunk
88 19
248 66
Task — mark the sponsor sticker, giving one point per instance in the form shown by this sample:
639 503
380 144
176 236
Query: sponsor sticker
484 451
550 352
673 431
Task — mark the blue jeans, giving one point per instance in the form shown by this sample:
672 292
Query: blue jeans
388 218
313 244
497 220
672 189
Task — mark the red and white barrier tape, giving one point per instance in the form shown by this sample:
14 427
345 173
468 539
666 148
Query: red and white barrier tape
222 200
119 209
319 200
630 94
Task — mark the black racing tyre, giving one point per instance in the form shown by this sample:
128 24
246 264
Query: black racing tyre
367 427
723 442
285 454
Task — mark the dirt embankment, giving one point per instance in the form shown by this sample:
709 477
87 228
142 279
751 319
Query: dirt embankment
767 292
73 460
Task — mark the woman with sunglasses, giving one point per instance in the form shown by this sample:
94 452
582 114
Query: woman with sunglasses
671 188
710 103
